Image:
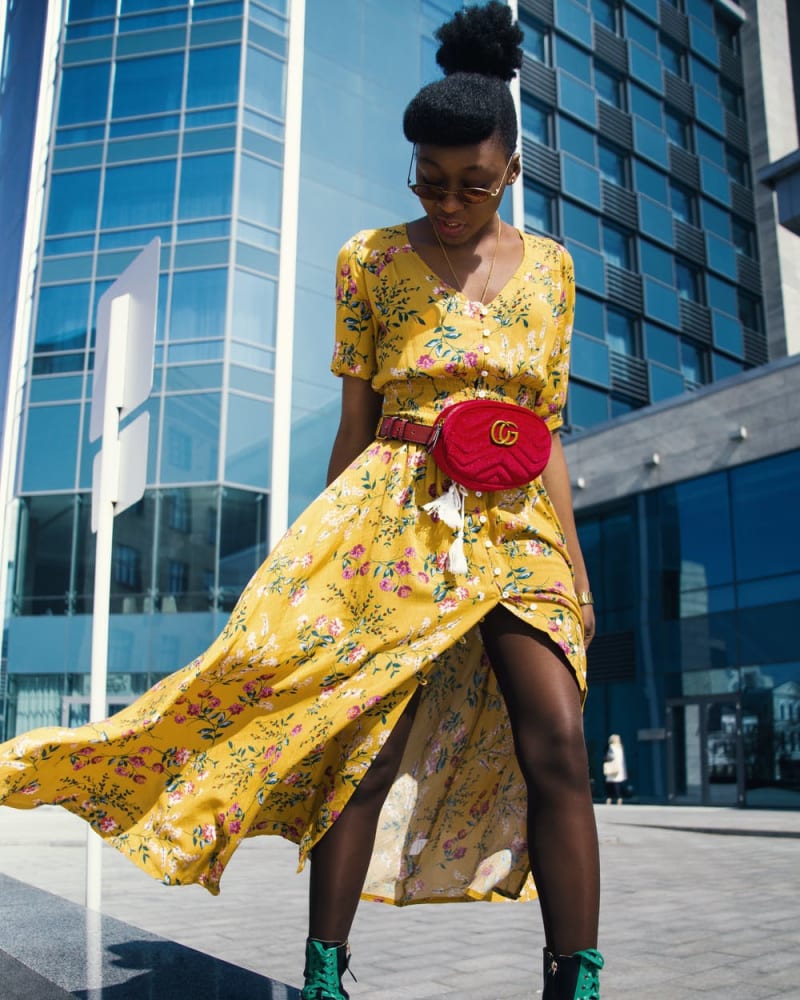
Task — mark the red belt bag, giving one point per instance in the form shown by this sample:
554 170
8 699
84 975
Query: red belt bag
482 444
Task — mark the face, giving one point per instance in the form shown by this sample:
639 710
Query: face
452 167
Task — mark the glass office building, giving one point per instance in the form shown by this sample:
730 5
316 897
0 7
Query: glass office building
253 137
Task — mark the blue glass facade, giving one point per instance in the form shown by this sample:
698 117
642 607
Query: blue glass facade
636 156
696 663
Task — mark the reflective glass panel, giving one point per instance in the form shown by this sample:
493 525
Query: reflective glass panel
147 86
612 163
621 332
62 317
138 194
576 139
536 122
248 450
609 86
776 479
694 363
213 76
198 305
191 438
535 41
260 192
616 246
44 558
242 543
73 201
581 224
254 299
265 82
84 93
206 186
587 406
538 210
51 448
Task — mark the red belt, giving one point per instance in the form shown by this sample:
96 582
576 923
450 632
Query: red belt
407 430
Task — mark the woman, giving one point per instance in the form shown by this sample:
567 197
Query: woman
614 769
399 688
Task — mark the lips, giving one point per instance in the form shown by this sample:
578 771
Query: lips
449 227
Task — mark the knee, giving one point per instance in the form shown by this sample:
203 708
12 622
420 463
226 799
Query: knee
552 757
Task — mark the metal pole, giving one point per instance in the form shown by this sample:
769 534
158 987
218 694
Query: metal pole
109 483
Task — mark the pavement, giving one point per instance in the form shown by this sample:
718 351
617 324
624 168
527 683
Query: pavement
696 902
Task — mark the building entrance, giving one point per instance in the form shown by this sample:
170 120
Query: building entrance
705 751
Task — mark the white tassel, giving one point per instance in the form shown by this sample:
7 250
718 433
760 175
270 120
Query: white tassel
449 507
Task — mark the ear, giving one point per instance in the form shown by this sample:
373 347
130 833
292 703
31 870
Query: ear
515 170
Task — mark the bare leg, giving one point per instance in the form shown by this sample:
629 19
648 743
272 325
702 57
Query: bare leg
544 708
340 860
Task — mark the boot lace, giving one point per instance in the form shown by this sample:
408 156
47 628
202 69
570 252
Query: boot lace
322 975
588 986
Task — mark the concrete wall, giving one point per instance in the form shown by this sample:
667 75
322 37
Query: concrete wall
693 435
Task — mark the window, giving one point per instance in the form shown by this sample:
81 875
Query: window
744 238
179 516
609 86
536 42
536 122
177 577
687 281
727 31
577 140
198 305
538 210
213 76
677 128
586 406
73 202
749 309
616 246
127 566
613 164
672 56
573 59
139 194
732 97
206 186
147 86
738 166
683 203
621 332
694 363
606 12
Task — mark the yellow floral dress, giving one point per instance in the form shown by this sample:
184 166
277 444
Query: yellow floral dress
270 730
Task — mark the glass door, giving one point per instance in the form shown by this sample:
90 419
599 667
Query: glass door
705 751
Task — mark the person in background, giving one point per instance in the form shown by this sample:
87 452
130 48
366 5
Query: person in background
614 770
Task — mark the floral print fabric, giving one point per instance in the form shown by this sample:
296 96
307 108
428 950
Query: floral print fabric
271 729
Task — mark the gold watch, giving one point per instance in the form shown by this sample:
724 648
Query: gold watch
585 597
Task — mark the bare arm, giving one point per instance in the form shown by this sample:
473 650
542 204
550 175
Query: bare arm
361 407
556 480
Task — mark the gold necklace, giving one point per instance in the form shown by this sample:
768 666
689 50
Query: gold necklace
457 283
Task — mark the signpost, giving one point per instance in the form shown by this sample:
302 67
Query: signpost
123 379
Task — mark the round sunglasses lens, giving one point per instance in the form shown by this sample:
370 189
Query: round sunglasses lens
473 196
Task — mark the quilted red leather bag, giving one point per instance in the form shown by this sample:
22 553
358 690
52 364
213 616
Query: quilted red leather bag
487 445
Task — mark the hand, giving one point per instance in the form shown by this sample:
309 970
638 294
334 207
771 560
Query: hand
588 624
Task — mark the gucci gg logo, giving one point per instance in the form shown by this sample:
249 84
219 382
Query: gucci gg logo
504 433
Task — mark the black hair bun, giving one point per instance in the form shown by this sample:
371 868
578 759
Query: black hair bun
484 40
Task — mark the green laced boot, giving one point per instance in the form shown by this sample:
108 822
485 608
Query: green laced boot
572 977
325 965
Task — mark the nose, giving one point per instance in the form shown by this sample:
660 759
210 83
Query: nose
451 202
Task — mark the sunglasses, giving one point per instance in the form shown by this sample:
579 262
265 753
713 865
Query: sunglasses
466 195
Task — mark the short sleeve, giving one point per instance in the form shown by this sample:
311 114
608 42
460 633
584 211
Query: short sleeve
354 351
551 400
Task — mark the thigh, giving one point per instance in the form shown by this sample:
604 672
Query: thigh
540 691
535 677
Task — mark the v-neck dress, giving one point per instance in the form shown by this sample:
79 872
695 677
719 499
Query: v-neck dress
272 727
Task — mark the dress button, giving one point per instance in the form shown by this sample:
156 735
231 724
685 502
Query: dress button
481 393
486 348
488 543
496 571
482 519
505 594
484 374
480 595
478 493
486 333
